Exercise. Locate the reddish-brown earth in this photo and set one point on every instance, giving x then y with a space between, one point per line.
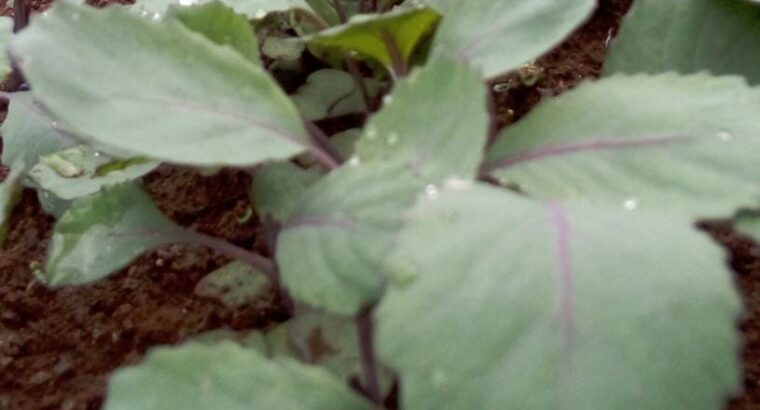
58 347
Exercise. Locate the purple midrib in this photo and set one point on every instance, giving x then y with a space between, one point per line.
560 150
563 257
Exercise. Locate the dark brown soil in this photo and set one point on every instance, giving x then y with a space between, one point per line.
58 347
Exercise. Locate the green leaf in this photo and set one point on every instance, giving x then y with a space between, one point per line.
221 25
178 97
278 186
81 171
367 34
327 11
9 190
641 142
688 36
28 134
331 249
250 8
279 48
546 306
500 36
435 122
105 232
225 376
6 33
234 284
331 93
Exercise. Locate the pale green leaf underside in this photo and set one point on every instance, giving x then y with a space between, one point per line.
248 8
435 122
365 33
278 186
556 305
81 171
225 376
177 97
28 133
221 25
103 233
500 36
641 142
331 249
6 33
688 36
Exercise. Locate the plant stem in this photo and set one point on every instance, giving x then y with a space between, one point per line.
323 147
316 21
338 6
493 119
264 265
366 334
397 60
20 20
353 69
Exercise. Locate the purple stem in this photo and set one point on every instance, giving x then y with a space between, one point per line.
366 334
400 68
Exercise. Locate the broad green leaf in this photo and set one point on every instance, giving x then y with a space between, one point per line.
279 48
28 133
103 233
6 33
435 122
8 195
225 376
81 171
748 223
331 249
688 36
345 142
645 142
500 36
331 93
221 25
278 186
368 34
234 285
178 97
249 8
518 303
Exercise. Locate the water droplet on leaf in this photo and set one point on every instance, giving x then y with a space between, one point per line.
392 139
630 204
431 191
725 136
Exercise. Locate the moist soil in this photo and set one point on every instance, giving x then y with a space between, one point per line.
58 347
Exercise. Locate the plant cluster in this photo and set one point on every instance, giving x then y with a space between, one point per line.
551 264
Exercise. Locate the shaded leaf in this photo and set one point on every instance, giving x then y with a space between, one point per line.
178 98
331 249
367 34
278 186
331 93
9 190
225 376
435 122
557 306
103 233
641 142
28 134
221 25
688 36
500 36
81 171
234 285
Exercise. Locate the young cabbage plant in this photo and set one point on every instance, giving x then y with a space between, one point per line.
552 264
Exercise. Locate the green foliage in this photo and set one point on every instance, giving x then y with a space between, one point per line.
576 281
226 376
588 306
688 36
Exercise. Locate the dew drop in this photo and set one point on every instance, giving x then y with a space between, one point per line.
260 14
458 183
431 191
392 139
160 262
75 16
387 100
156 17
353 162
724 136
439 378
371 133
630 204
